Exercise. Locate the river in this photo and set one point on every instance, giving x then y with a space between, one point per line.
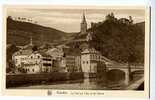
82 84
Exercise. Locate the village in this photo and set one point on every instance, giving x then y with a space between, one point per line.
59 59
73 59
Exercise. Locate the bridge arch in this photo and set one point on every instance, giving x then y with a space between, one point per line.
128 70
116 75
126 74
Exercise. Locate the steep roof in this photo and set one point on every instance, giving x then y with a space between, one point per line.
44 54
23 52
55 52
90 50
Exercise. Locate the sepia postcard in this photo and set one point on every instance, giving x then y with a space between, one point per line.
76 50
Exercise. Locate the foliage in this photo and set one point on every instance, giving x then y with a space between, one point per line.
11 48
119 40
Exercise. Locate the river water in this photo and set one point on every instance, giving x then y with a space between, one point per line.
82 84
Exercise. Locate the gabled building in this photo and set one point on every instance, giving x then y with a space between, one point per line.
65 59
92 62
32 62
20 56
59 61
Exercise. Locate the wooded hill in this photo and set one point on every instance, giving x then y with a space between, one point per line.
19 33
119 39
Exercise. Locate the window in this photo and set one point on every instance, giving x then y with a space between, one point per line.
97 57
87 62
38 56
83 62
46 64
33 70
16 60
46 59
93 56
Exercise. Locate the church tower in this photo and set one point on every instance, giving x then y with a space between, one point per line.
83 24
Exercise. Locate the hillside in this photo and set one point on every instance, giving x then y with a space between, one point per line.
118 40
19 33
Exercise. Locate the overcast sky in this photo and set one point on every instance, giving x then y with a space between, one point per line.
68 20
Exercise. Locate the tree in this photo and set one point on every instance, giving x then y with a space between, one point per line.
9 18
10 66
119 41
111 17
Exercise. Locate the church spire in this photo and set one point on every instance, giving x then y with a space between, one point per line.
83 24
84 18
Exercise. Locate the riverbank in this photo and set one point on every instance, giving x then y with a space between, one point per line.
15 80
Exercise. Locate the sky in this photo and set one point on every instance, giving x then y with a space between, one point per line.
69 19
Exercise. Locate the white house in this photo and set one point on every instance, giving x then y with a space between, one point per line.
32 62
38 62
20 56
92 61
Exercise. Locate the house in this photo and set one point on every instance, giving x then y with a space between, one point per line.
92 61
32 62
56 53
59 62
73 60
64 60
78 63
46 61
20 56
70 63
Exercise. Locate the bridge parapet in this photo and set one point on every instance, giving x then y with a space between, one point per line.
126 69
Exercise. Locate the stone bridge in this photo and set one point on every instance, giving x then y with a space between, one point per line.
128 70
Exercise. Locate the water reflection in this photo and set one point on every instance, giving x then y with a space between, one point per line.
82 84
